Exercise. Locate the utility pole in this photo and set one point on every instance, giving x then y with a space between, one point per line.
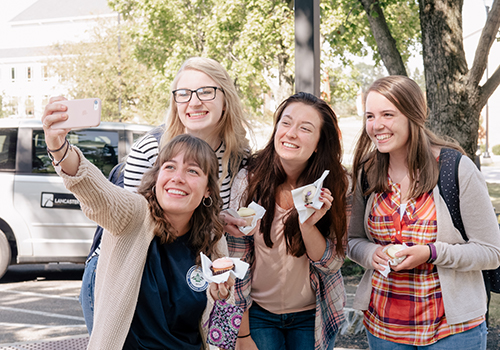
307 48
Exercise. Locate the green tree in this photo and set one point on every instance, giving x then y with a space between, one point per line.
253 39
454 96
103 68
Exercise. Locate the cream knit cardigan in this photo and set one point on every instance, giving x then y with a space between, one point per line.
128 232
458 263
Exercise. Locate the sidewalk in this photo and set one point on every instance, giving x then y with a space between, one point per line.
66 343
74 343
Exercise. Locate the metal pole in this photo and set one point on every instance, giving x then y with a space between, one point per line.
307 48
119 73
486 153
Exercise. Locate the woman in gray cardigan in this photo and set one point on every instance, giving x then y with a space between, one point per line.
435 296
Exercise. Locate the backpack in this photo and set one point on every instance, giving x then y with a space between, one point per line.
449 160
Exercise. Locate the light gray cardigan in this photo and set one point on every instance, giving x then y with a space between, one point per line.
458 263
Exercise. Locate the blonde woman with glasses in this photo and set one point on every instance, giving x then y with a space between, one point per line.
204 104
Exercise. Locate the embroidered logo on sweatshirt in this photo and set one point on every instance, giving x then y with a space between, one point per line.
195 279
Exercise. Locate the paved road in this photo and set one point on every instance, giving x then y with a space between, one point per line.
40 302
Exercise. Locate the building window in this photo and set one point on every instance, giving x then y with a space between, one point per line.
29 73
45 73
30 106
13 73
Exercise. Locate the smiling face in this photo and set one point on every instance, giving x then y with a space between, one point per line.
388 128
199 117
297 134
181 186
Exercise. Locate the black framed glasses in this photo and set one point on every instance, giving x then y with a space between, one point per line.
205 93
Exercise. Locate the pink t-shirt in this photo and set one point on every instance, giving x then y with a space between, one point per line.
281 282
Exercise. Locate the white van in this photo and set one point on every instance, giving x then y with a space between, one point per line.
41 221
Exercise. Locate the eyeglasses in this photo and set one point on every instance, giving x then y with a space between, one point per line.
206 93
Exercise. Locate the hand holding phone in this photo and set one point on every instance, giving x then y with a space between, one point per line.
84 113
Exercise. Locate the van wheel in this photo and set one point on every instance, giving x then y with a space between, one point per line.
5 254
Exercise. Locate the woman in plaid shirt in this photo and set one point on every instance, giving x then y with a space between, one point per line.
435 298
293 294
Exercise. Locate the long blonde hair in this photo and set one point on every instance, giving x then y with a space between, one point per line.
232 125
423 168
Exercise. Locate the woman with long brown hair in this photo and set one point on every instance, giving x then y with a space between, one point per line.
434 298
293 294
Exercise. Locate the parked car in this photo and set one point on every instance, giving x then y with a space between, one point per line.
41 221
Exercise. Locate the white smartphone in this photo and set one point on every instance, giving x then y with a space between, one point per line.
84 113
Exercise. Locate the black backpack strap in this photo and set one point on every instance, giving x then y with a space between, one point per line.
449 159
364 184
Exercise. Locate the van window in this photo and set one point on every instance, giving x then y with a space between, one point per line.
98 146
8 146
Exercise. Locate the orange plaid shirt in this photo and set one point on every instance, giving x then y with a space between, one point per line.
407 306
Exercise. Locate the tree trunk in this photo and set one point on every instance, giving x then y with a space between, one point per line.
454 96
385 42
453 106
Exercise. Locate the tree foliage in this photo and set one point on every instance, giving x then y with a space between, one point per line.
253 39
454 96
103 68
346 28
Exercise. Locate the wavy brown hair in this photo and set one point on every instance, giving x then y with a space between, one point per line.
266 173
206 228
232 127
408 98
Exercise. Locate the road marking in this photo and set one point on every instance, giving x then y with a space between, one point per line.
38 294
25 325
41 313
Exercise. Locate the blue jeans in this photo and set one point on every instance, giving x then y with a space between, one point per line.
473 339
293 331
87 292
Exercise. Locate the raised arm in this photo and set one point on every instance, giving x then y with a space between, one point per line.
57 145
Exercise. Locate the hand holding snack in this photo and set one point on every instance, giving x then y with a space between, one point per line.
392 249
231 224
220 291
251 214
247 214
222 269
306 199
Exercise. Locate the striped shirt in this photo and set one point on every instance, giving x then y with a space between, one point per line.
143 156
407 306
325 277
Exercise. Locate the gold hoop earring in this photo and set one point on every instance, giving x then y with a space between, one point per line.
153 189
208 205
